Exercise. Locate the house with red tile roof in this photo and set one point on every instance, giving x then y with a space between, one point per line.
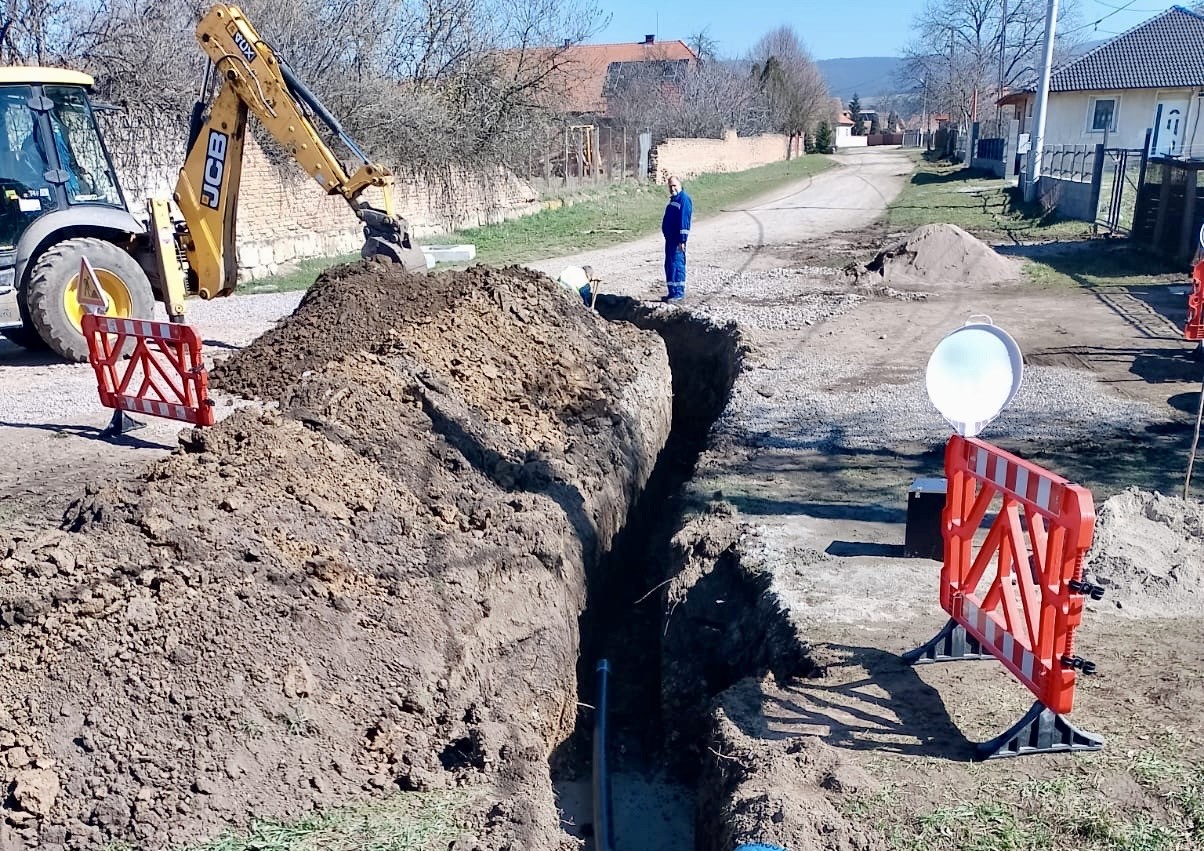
587 75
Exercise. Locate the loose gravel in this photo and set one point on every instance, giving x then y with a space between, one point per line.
800 405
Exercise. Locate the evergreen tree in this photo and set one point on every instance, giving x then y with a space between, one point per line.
855 114
823 138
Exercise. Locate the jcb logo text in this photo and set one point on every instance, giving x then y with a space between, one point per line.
215 168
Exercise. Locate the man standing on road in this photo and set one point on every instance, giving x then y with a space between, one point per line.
675 227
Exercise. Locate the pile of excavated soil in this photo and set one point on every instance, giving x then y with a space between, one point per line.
942 254
1149 554
373 587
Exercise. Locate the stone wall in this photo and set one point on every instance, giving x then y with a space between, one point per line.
282 213
691 157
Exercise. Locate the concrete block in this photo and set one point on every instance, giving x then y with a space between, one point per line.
450 253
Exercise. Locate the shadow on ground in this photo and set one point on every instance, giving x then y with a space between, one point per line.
865 700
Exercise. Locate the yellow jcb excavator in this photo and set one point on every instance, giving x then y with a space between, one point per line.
60 199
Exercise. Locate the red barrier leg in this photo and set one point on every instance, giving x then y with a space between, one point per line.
951 644
121 423
1040 731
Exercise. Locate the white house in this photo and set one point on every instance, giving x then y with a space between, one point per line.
1151 77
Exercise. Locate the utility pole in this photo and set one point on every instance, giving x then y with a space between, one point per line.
1037 139
924 130
1003 49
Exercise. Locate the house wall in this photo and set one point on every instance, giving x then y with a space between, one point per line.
691 157
1067 119
851 141
283 215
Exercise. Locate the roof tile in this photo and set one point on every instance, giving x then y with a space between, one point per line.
1165 52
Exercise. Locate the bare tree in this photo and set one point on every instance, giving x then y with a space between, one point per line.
795 91
422 83
704 45
964 50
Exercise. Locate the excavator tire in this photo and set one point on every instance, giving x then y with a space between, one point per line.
52 295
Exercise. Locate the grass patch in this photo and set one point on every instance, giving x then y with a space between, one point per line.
622 213
976 202
1164 811
300 276
409 822
1101 265
595 218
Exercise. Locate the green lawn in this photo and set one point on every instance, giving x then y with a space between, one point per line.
977 202
594 219
1101 265
407 822
303 273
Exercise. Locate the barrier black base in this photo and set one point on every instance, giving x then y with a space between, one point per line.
122 423
951 644
1041 730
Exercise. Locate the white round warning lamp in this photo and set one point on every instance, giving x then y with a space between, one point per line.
973 374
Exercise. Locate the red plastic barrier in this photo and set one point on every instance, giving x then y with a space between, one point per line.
1194 329
164 375
1013 592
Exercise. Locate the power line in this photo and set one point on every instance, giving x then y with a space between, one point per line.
1116 10
1128 7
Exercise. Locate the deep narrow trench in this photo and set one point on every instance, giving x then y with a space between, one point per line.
653 789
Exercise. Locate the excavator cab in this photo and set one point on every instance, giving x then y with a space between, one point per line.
59 201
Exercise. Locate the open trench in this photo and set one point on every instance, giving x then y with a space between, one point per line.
674 614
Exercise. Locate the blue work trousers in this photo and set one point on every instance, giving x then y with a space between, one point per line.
675 269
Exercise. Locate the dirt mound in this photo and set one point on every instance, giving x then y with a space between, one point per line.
374 588
1149 554
763 787
942 254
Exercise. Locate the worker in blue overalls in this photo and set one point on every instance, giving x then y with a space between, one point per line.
675 227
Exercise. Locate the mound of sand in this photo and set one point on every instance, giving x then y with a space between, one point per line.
942 254
373 588
1149 554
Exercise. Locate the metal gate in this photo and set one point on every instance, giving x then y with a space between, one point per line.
1122 173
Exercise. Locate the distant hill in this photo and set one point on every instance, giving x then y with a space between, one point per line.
877 76
867 76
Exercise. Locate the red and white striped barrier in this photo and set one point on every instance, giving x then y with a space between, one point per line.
164 375
1016 594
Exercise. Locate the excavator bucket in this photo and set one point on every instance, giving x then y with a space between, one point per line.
388 238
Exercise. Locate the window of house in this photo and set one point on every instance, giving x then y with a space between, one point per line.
1103 115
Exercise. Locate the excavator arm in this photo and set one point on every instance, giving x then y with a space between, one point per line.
251 79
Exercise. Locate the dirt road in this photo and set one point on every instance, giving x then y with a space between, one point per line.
759 235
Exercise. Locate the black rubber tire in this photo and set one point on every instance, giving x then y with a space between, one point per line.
24 336
53 272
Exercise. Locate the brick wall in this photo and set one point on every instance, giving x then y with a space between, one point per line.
691 157
284 216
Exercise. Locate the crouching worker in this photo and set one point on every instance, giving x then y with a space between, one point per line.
581 280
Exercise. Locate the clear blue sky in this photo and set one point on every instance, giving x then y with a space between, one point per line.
830 29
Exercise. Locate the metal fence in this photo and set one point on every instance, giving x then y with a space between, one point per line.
990 149
1068 162
1120 178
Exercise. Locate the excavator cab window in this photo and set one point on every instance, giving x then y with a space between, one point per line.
25 193
82 154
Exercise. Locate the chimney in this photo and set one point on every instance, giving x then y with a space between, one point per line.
568 42
650 39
